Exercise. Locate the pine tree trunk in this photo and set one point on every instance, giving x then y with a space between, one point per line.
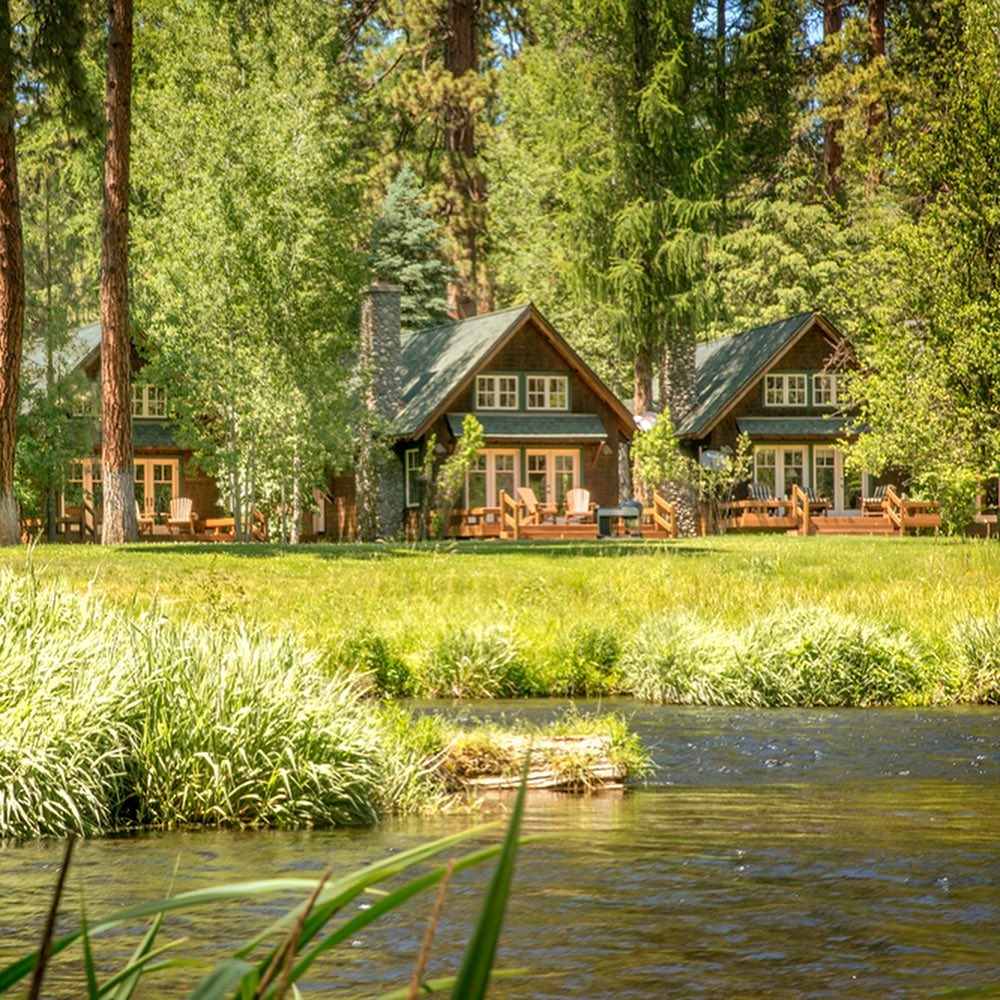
833 149
642 381
295 536
467 182
11 287
679 399
876 41
120 523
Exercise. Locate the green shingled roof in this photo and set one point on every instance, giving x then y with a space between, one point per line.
793 427
436 362
725 367
150 434
550 426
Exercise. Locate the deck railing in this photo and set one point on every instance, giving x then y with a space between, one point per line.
800 508
510 516
664 515
906 513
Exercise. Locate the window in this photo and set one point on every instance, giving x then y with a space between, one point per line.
785 390
548 392
411 463
825 472
88 403
496 392
82 485
779 468
765 469
826 389
494 471
156 484
148 400
552 474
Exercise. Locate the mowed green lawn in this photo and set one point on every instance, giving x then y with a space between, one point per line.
412 595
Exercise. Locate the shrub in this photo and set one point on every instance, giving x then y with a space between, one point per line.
976 644
372 654
474 663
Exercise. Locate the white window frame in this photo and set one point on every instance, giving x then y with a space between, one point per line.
782 383
551 386
826 384
489 392
145 397
550 469
492 492
145 464
779 450
411 466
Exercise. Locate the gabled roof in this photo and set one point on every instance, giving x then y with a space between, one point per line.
438 363
543 426
79 346
725 367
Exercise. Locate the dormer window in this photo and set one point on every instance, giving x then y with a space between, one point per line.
548 392
148 400
496 392
785 390
825 389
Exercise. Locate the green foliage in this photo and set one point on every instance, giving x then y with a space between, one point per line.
373 654
451 475
657 456
793 657
976 642
484 662
585 663
406 249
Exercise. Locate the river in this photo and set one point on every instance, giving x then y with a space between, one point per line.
785 853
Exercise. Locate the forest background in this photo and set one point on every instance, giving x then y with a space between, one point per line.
651 173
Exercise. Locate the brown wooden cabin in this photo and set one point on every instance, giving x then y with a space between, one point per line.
781 384
549 421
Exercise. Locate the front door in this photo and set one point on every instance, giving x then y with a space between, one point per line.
156 484
494 471
552 474
780 468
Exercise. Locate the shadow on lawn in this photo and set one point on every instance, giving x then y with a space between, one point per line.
398 550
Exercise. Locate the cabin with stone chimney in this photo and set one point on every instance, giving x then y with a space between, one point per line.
550 424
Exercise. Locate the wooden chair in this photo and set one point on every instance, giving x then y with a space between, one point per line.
874 506
182 518
534 512
817 505
145 521
579 507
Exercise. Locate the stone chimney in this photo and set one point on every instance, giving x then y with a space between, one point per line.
380 491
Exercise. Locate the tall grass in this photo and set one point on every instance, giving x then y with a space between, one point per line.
110 719
792 657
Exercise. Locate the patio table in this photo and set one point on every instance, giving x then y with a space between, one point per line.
628 512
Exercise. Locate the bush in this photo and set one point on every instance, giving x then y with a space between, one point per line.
976 644
475 663
372 654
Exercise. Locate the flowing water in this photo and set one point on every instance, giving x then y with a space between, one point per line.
773 853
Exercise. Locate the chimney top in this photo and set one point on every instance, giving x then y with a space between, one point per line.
383 285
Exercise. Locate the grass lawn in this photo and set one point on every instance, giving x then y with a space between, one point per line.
413 595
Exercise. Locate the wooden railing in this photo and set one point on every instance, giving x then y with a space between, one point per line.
800 508
664 515
510 516
906 513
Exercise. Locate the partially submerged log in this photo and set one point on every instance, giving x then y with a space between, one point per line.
560 763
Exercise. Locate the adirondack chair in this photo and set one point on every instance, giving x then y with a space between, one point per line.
817 505
535 512
579 507
874 505
182 518
760 499
145 521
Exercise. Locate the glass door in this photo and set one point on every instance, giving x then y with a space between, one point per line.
156 484
552 474
494 471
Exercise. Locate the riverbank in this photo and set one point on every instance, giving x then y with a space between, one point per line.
114 719
723 620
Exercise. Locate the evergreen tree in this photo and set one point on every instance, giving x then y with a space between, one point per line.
406 250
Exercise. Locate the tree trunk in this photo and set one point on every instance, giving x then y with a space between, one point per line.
642 381
833 150
876 41
11 287
677 375
466 180
120 523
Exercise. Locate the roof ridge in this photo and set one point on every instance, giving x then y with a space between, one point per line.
467 319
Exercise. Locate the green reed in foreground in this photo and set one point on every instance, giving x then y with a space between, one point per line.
276 960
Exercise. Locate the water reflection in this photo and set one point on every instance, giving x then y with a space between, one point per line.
773 853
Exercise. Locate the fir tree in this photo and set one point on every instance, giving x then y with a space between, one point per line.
406 249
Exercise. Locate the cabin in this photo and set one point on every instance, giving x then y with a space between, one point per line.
782 384
549 423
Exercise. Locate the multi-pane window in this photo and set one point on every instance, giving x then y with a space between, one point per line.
495 472
552 474
413 484
496 392
82 485
825 472
765 468
793 471
825 389
785 390
156 484
88 402
548 392
148 400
